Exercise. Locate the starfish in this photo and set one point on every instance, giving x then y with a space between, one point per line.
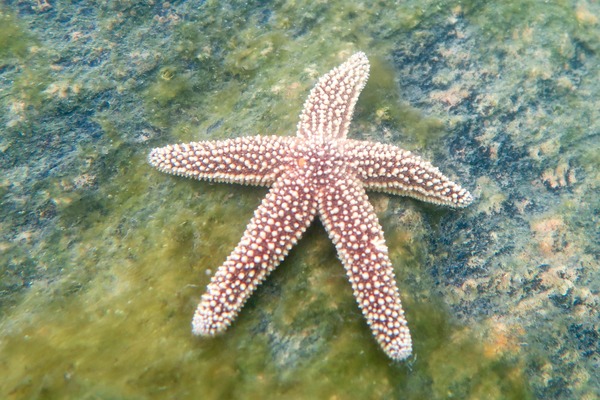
317 172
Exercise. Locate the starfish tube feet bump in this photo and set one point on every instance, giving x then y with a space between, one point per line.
321 172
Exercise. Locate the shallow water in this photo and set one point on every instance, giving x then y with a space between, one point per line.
103 259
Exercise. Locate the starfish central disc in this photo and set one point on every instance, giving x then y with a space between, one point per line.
319 164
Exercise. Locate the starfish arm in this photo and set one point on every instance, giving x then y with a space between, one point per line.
358 237
327 112
254 160
278 223
387 168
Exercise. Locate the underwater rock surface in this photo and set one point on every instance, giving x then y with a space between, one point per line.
103 260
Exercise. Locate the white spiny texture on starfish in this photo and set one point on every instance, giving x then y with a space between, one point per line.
386 168
317 172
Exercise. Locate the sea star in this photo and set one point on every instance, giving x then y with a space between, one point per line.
317 172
